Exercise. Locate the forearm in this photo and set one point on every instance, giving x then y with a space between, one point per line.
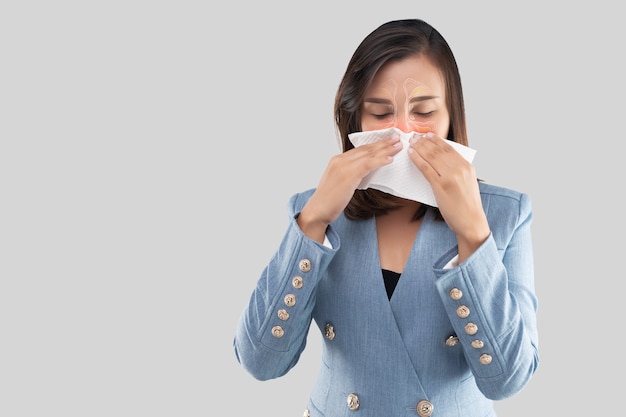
492 307
273 327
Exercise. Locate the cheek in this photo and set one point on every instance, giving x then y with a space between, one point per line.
372 123
376 125
439 126
423 127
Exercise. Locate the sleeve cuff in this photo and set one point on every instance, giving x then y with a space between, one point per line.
452 263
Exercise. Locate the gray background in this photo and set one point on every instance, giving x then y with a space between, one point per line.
148 150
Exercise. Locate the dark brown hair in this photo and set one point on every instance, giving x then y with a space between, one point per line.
394 41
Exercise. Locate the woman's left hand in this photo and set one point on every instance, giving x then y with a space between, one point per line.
455 185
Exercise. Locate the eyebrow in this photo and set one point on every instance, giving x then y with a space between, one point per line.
422 98
377 100
386 101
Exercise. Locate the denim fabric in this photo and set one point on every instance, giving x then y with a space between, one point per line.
393 353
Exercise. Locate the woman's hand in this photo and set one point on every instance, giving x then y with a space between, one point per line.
339 181
454 183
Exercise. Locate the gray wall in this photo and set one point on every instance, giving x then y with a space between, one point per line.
149 149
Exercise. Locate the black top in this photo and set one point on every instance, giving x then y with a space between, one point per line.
391 280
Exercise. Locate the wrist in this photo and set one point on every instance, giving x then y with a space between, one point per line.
468 244
313 228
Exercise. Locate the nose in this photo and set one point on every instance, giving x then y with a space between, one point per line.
403 124
407 125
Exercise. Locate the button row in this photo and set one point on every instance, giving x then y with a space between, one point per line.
471 329
290 299
424 408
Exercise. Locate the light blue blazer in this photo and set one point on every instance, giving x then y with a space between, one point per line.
447 343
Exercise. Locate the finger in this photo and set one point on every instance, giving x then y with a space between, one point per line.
422 151
378 153
437 152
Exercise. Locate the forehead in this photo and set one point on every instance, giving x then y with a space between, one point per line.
419 72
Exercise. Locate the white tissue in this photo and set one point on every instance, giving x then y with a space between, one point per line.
401 178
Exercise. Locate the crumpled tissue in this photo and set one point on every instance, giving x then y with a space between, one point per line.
401 178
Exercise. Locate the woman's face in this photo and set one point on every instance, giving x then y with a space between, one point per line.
409 95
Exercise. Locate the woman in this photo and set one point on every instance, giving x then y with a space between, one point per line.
424 309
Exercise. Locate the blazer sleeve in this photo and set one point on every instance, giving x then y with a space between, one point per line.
272 330
491 302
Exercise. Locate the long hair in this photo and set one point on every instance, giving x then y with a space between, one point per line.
394 41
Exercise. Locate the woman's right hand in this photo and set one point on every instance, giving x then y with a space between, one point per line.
339 181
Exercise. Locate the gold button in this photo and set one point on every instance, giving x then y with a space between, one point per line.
471 328
353 402
305 265
452 341
329 331
456 294
485 359
297 282
282 314
425 408
306 413
278 332
462 311
290 300
477 344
